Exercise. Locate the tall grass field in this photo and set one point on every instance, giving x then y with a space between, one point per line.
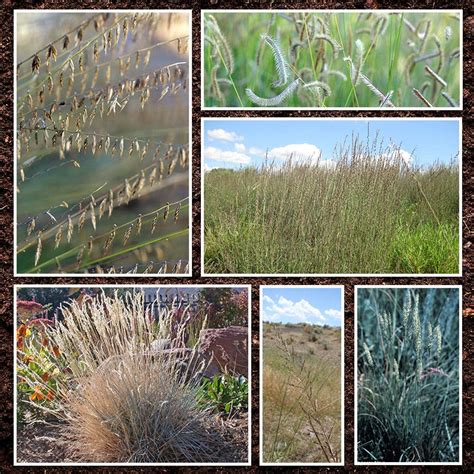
408 379
332 59
362 214
102 144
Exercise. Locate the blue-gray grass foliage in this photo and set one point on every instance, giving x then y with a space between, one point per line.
408 375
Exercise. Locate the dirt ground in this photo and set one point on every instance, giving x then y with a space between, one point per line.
46 443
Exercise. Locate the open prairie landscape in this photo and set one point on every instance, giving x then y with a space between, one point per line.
301 384
328 197
332 59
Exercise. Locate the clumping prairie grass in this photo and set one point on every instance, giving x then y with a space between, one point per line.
140 410
408 375
301 402
332 59
119 400
362 214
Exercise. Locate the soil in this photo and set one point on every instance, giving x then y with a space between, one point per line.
6 219
45 442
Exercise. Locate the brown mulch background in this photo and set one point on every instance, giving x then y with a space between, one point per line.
6 226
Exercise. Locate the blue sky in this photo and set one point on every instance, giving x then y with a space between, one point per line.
237 143
302 305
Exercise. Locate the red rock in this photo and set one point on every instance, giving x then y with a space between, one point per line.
226 348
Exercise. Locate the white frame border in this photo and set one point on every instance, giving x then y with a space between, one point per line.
190 140
261 356
461 400
341 275
137 286
394 10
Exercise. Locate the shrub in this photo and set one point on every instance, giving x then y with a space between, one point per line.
225 393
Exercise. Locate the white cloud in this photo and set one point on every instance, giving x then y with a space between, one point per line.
256 151
297 152
297 312
239 147
208 168
268 299
212 153
333 313
221 134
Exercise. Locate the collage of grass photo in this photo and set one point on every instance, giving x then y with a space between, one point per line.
321 59
331 244
102 152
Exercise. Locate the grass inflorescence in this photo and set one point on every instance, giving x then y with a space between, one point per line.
93 158
365 59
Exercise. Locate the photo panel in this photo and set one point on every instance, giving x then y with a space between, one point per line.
102 125
132 375
336 59
338 196
301 375
408 369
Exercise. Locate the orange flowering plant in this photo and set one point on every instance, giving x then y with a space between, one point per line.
39 363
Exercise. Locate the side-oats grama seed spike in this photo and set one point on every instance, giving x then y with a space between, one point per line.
39 247
70 228
154 223
176 212
35 64
31 226
127 234
90 244
93 219
110 239
166 212
58 237
111 202
139 224
80 255
82 220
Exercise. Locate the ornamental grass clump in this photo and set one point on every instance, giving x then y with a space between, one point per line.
408 375
117 398
102 144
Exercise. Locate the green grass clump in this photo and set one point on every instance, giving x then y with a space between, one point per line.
331 59
361 215
408 375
